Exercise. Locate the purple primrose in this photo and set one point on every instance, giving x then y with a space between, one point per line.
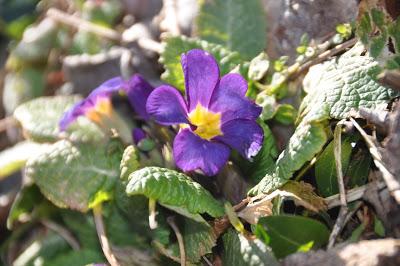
215 117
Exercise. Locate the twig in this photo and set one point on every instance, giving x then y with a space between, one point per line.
111 34
6 123
178 234
79 23
207 261
392 184
340 221
351 195
151 45
105 245
64 233
325 55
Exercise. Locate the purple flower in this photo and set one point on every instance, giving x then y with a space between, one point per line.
217 115
98 104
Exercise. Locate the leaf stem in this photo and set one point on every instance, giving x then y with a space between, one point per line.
171 222
337 151
105 245
152 214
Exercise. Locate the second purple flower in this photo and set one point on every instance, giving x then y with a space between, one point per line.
215 117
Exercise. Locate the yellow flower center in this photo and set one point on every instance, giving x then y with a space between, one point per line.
102 108
208 123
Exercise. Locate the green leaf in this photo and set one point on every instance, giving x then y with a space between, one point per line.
364 28
83 227
358 169
175 46
37 41
394 31
378 17
288 233
238 25
325 168
259 66
74 176
78 258
342 84
198 238
120 231
44 248
27 199
238 250
15 28
14 158
22 86
285 114
173 190
377 45
40 117
307 140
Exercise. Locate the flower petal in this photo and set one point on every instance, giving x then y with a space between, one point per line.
138 134
243 135
73 113
104 91
201 77
232 83
192 152
229 99
138 90
167 106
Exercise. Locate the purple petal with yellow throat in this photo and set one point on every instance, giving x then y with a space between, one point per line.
103 92
192 152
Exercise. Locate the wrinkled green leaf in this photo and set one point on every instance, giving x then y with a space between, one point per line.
325 168
288 233
75 176
40 117
343 84
175 46
14 158
238 25
307 140
238 250
129 162
173 190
